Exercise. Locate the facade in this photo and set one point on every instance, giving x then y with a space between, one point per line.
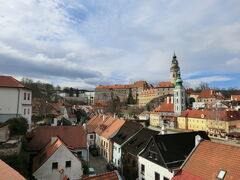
15 100
56 161
165 88
179 96
107 93
211 160
146 96
155 119
164 154
210 96
72 136
174 69
126 131
213 122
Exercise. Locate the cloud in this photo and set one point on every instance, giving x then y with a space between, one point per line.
87 43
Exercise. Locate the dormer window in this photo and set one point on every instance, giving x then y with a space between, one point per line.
221 174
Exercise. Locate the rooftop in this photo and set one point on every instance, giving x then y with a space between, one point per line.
113 175
165 85
135 85
9 81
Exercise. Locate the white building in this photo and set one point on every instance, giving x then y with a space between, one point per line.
56 161
15 99
199 105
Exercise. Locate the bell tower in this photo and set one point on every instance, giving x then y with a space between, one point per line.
174 69
179 96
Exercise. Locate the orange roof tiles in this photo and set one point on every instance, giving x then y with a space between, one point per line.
99 103
235 97
222 115
105 124
165 107
116 125
72 136
137 84
165 85
210 93
94 122
46 153
9 81
8 173
211 157
183 175
113 175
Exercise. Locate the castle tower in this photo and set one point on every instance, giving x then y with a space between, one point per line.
179 96
174 69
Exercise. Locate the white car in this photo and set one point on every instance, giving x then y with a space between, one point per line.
91 172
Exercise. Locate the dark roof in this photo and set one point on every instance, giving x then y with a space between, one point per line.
73 136
128 129
175 148
135 144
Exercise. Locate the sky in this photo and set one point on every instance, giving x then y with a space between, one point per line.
85 43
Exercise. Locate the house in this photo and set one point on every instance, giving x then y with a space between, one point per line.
164 154
235 97
15 99
55 161
144 116
210 96
128 129
211 160
165 88
105 134
113 175
73 137
131 149
8 173
214 122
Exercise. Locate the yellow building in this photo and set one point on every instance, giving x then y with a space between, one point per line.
146 96
154 119
213 122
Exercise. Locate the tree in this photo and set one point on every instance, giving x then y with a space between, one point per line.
202 86
17 126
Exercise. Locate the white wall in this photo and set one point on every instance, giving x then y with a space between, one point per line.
9 101
151 168
45 172
117 154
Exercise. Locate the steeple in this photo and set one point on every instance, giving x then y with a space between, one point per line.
174 69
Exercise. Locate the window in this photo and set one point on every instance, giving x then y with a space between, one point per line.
165 178
91 136
25 96
68 164
118 162
24 112
54 165
28 96
119 150
157 176
142 169
221 174
28 111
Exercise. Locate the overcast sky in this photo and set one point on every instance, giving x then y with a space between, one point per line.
84 43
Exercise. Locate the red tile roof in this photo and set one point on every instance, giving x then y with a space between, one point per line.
105 124
8 173
94 122
46 153
183 175
210 93
235 97
113 128
9 81
73 136
222 115
165 107
137 84
211 157
113 175
165 85
99 103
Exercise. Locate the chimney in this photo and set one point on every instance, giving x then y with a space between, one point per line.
211 92
103 117
53 139
168 100
171 99
198 139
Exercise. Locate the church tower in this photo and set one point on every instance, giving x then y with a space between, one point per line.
174 69
179 96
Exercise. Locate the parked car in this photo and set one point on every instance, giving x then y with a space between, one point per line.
91 172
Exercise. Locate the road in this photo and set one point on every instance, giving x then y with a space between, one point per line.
98 163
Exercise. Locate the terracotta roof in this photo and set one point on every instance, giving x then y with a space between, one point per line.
144 113
9 81
94 122
165 85
8 173
235 97
113 128
46 153
99 103
211 157
113 175
165 107
135 85
183 175
73 136
105 124
222 115
210 93
148 91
